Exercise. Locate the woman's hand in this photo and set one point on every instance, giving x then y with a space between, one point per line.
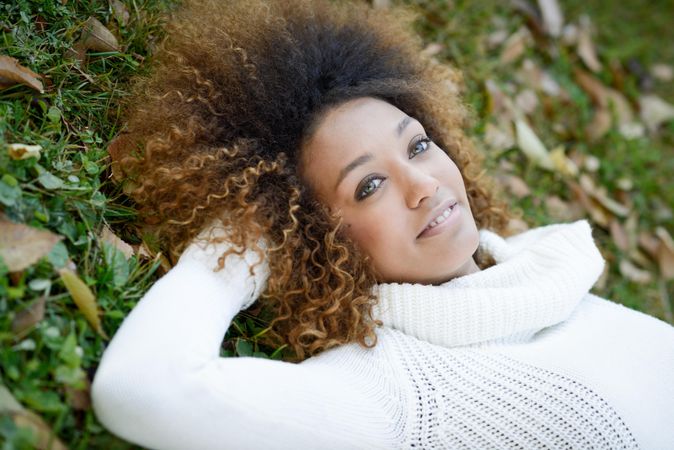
236 269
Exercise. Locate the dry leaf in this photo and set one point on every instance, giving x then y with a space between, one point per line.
499 138
21 245
46 439
516 226
496 38
98 38
593 87
108 236
515 46
570 35
633 273
603 96
532 146
597 212
527 101
24 151
562 164
553 20
28 317
631 130
621 106
655 111
585 48
515 185
662 72
562 211
619 235
84 298
649 243
599 194
600 125
665 253
532 76
11 73
591 163
120 12
79 399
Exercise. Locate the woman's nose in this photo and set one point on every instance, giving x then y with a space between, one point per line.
419 186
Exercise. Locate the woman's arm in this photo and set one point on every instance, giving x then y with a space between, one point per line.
162 384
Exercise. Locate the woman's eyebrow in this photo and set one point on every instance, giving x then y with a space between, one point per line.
362 159
403 123
368 156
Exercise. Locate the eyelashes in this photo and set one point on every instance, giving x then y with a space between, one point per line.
368 186
419 144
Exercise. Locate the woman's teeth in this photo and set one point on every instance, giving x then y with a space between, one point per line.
441 218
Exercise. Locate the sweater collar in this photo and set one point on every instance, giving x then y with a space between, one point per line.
539 278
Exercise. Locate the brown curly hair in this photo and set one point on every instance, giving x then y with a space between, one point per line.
215 132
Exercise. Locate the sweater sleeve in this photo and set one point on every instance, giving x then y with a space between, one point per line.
161 383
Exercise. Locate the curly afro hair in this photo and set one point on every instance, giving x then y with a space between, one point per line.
215 133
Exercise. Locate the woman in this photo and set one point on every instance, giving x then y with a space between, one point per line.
297 136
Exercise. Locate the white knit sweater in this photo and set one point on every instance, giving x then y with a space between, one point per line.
516 356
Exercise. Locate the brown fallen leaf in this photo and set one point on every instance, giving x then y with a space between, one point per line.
527 101
84 299
553 20
26 318
499 138
120 12
561 163
619 235
46 439
515 46
532 146
569 35
515 185
665 253
562 211
597 212
516 226
108 236
599 193
11 73
654 111
98 38
633 273
79 399
585 47
600 125
662 72
496 38
604 97
650 243
23 151
21 245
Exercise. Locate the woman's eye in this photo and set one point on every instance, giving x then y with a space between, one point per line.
419 146
368 187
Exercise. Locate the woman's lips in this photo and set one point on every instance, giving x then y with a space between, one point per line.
441 221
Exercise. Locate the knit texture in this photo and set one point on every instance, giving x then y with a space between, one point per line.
516 356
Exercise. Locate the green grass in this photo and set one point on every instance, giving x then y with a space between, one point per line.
68 190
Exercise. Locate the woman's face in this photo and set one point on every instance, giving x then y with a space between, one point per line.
401 198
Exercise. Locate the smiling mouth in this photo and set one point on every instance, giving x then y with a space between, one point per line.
439 219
